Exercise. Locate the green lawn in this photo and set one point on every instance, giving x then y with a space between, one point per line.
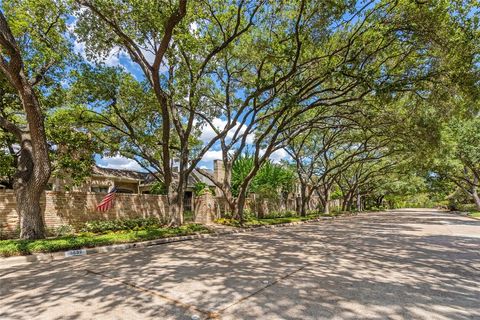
89 240
475 214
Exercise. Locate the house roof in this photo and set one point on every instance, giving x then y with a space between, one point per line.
146 177
119 173
201 178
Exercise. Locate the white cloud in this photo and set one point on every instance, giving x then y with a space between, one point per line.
278 155
79 47
193 27
211 155
112 59
208 133
119 162
15 146
149 55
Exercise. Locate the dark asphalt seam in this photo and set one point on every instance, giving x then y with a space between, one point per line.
178 303
219 311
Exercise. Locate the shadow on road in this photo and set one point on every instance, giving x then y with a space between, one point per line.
405 264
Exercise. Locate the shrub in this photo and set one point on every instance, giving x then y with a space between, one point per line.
188 216
158 188
227 221
281 214
87 240
200 188
62 230
100 226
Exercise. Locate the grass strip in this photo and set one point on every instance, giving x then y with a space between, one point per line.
475 214
89 240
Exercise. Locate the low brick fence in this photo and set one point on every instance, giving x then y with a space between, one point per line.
75 208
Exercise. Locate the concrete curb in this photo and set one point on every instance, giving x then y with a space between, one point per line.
48 257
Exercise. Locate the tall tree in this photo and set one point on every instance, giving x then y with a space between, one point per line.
193 67
31 38
199 67
176 47
459 157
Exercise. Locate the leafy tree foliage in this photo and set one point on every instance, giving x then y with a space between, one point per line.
33 51
271 181
458 159
353 90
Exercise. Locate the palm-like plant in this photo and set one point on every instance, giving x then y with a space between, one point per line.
271 180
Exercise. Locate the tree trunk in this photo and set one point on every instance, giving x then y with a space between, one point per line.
176 196
175 207
347 200
476 198
242 193
379 201
305 199
28 188
227 185
359 200
344 202
32 225
33 164
351 195
326 199
240 205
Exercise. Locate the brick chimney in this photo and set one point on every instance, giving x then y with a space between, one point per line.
218 174
218 170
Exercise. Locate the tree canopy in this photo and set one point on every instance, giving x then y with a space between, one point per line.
368 101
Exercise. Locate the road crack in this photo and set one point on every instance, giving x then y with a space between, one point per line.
219 311
191 308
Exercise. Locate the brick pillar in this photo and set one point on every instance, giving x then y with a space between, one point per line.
205 211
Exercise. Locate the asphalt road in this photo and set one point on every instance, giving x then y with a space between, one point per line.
408 264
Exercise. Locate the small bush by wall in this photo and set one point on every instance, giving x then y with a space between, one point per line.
76 208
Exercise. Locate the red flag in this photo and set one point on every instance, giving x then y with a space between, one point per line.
107 202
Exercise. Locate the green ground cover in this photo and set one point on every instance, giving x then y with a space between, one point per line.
475 214
89 240
270 220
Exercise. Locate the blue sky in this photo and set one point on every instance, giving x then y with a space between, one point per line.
119 58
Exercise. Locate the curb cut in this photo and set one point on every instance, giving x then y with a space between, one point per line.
48 257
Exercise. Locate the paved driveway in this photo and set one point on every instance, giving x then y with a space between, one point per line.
407 264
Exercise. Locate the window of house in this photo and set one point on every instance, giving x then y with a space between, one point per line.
120 190
99 189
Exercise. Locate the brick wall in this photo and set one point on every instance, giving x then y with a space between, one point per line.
75 208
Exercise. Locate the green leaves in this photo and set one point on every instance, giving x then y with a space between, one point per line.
72 150
270 181
40 29
390 74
